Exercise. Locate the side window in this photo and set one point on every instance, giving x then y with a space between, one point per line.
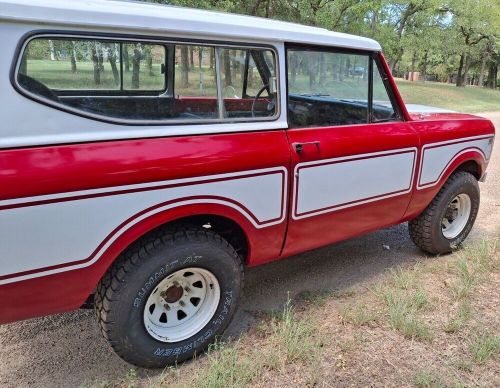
248 82
383 108
195 82
327 88
142 65
149 82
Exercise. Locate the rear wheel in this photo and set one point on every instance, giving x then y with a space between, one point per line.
447 221
169 296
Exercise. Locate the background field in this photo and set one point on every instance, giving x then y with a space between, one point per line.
468 99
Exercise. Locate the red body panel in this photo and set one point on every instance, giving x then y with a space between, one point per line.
344 141
54 169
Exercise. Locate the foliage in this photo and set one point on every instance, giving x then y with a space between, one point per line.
445 40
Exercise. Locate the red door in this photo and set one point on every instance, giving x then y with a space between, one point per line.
349 176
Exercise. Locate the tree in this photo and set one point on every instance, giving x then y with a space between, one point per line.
111 54
184 66
94 49
136 65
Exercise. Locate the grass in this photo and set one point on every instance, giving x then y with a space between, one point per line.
358 315
463 314
485 346
289 339
426 333
426 379
468 99
404 301
294 337
226 367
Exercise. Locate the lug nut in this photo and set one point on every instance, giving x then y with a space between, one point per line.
187 289
182 304
167 307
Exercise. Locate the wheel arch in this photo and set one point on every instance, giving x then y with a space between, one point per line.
471 161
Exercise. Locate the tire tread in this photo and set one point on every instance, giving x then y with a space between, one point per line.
132 258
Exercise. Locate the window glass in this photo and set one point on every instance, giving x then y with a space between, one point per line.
327 88
142 66
383 109
195 71
72 64
248 82
134 80
195 85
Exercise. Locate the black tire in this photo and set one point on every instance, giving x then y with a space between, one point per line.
426 230
122 293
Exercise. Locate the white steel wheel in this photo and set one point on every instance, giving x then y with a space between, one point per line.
181 304
456 216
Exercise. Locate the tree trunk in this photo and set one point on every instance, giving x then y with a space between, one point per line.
293 69
100 58
200 57
312 73
491 81
465 77
211 58
412 68
52 51
322 69
149 59
184 67
460 81
112 61
483 68
227 69
191 57
424 66
97 68
72 57
136 66
126 60
393 64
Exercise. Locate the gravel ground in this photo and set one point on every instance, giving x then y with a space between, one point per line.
68 350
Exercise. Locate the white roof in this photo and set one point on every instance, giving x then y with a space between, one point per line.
161 19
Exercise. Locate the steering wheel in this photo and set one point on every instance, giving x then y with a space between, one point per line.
257 96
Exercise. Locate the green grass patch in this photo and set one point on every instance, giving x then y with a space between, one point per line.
426 379
294 336
290 339
484 347
402 309
467 99
461 317
358 315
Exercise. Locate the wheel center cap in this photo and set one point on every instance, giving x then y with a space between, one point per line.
173 294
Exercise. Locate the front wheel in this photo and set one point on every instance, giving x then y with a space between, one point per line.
449 218
169 296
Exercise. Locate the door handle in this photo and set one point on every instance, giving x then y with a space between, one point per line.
299 147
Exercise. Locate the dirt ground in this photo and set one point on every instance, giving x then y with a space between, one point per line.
68 350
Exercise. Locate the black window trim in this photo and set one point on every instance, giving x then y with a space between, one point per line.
389 90
26 38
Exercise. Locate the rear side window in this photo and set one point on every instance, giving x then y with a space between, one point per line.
142 81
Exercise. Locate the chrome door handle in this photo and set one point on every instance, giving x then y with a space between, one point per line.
299 147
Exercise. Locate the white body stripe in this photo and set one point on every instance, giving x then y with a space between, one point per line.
70 228
345 182
436 157
64 232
